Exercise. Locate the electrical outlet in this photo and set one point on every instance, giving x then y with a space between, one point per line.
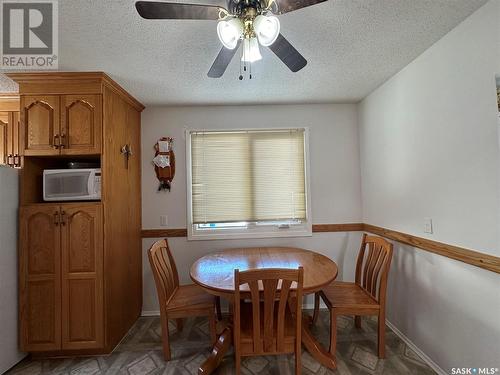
163 220
427 225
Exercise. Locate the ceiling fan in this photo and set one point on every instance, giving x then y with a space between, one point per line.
248 22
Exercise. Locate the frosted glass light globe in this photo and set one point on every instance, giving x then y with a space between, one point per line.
229 32
251 51
267 29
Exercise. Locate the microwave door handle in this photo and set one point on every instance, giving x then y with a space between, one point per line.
91 183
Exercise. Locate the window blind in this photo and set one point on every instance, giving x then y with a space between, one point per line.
248 176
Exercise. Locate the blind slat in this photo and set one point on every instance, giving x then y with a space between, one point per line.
248 176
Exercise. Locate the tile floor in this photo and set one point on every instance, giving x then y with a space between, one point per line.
140 354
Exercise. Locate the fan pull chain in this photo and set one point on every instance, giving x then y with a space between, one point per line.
242 60
241 75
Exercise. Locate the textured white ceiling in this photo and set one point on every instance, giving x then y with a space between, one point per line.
352 46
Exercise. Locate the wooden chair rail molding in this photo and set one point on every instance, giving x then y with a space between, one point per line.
475 258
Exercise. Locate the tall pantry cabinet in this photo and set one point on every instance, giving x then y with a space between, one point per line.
79 262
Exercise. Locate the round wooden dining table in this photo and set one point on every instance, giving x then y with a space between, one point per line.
215 273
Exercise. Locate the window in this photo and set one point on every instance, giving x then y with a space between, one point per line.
247 183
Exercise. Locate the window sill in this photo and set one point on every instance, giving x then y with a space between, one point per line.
231 234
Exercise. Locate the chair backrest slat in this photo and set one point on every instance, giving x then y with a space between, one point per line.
372 266
283 302
270 290
164 271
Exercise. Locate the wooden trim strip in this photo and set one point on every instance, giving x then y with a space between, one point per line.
163 233
182 232
9 102
475 258
349 227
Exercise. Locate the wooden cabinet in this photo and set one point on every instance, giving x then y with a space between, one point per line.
76 297
40 124
11 148
62 275
40 278
62 124
81 119
14 141
82 281
4 124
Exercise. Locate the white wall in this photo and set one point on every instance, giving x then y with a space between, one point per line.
429 148
9 355
334 173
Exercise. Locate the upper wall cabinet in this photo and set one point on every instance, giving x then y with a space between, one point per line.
40 119
4 124
62 124
11 148
81 119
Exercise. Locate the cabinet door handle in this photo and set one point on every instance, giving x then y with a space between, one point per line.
63 218
9 160
62 141
17 161
56 218
57 141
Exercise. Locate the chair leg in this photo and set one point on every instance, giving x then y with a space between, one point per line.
213 329
217 307
164 336
357 321
180 324
298 358
333 332
237 363
381 334
316 308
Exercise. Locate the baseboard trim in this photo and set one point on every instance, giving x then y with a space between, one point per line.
151 313
416 349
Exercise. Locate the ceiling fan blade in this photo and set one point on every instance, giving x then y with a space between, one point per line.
288 54
286 6
222 61
155 10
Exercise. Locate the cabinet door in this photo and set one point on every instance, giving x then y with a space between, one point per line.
4 123
82 276
17 144
81 128
40 278
40 124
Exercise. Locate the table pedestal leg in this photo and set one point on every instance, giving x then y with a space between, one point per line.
218 351
314 347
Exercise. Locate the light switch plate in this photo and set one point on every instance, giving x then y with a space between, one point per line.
427 225
163 220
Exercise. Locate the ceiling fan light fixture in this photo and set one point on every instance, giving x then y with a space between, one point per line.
267 29
251 51
229 32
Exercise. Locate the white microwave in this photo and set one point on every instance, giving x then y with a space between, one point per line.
71 184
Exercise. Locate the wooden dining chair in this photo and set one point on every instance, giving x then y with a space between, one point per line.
366 296
268 322
178 301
